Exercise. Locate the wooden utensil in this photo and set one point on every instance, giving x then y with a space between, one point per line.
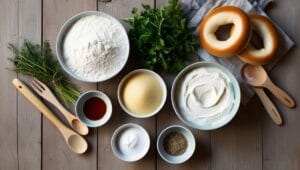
41 89
75 142
256 75
269 106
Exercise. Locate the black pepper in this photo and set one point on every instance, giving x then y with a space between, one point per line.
175 143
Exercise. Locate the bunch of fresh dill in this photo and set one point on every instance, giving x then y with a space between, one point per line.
38 61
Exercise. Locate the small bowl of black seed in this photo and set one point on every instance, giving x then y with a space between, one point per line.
176 144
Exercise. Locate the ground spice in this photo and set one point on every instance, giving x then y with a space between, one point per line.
175 143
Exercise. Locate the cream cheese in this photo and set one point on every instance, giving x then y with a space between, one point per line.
205 94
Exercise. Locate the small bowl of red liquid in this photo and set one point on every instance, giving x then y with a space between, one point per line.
93 108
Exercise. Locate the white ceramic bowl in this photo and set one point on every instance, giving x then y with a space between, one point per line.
64 30
191 145
163 86
227 117
80 104
130 157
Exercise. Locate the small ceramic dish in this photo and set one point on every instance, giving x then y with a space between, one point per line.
178 159
135 152
227 116
162 84
68 25
80 111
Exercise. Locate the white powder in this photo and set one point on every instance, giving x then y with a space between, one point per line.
95 48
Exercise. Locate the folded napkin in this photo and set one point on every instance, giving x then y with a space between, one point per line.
195 10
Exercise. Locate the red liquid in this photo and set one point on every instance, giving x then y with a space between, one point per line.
94 108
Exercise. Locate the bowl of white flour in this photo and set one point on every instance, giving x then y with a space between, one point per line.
92 46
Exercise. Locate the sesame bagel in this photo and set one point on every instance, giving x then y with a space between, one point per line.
239 36
267 31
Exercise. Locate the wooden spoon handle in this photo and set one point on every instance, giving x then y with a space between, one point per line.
281 95
269 106
23 89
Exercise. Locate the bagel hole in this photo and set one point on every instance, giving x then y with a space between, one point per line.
223 32
256 40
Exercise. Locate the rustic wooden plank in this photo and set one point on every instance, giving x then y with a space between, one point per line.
29 119
56 154
230 146
238 145
281 145
160 3
201 157
106 159
8 94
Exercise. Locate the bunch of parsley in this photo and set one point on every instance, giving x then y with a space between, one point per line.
161 38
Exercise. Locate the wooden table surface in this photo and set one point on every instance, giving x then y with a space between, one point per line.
29 141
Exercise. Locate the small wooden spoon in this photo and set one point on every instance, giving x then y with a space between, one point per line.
256 75
75 142
269 106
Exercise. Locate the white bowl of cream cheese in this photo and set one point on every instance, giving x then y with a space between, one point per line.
92 46
205 96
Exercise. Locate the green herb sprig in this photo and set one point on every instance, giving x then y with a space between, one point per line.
38 61
161 38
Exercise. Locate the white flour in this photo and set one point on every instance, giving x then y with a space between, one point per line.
95 48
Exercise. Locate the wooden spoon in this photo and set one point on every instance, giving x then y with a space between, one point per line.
256 75
269 106
75 142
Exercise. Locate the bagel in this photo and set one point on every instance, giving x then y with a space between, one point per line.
239 36
268 33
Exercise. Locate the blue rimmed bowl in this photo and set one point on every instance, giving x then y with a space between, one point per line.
229 113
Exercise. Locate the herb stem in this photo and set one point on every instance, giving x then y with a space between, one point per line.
38 61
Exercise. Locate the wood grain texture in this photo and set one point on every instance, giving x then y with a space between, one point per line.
8 94
250 141
281 145
201 157
269 106
238 145
56 154
29 119
229 147
106 159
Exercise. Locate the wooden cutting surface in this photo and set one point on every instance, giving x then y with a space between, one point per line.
30 142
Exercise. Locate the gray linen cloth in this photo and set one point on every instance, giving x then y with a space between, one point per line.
195 10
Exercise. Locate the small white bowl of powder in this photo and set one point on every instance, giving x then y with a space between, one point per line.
92 46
